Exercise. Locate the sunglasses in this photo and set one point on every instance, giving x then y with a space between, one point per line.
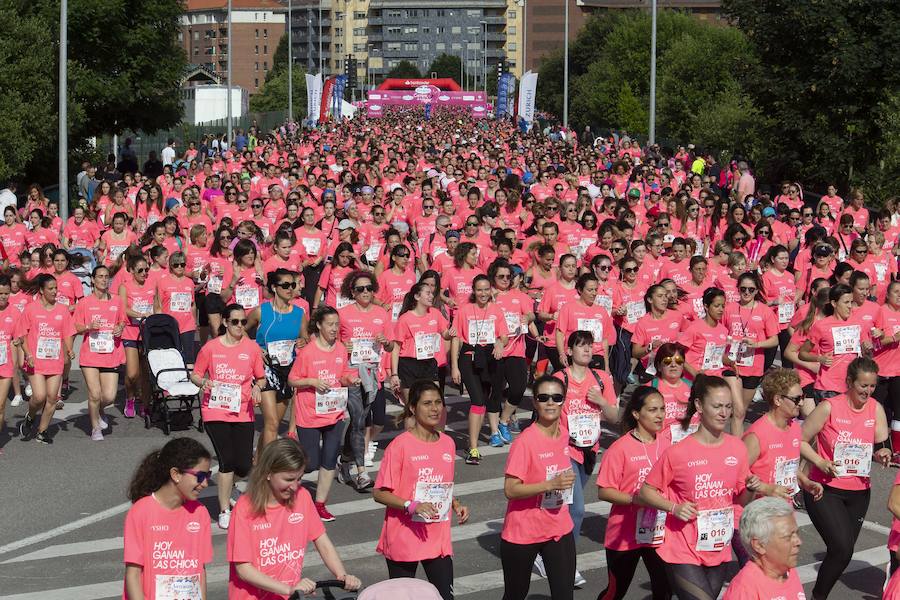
287 285
557 398
378 214
678 360
617 249
142 270
176 265
860 250
236 322
359 289
501 276
747 290
663 223
256 205
402 255
428 206
794 399
200 475
604 268
471 224
630 270
558 189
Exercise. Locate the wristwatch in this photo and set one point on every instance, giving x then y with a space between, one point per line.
406 505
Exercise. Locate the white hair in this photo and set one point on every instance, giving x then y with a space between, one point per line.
756 521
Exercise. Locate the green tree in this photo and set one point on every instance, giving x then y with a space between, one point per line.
273 94
826 70
280 58
404 69
446 66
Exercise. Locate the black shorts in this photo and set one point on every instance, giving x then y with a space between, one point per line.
411 369
808 391
750 383
277 381
200 303
102 369
214 304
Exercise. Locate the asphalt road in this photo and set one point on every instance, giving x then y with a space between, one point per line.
63 508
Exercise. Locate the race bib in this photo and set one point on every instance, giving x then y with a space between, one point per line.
281 351
180 302
48 348
679 433
785 312
514 323
372 253
247 296
311 245
852 459
364 351
395 310
178 587
712 356
62 300
714 529
846 339
634 311
881 270
101 342
584 428
4 352
650 526
605 302
481 332
699 309
438 494
342 301
741 354
226 396
594 326
786 473
426 345
214 285
555 499
142 306
333 401
116 251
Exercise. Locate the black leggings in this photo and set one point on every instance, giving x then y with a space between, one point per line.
322 445
439 572
378 410
233 443
693 582
559 560
838 517
513 373
784 338
888 394
620 567
479 382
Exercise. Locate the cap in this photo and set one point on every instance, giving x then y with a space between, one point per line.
634 193
400 226
367 189
451 234
172 203
432 173
346 224
653 212
769 212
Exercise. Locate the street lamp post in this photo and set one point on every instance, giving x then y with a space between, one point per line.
321 59
230 115
63 112
566 67
484 57
652 131
290 65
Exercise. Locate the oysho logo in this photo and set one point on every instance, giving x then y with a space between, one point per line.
447 457
731 461
869 423
295 518
193 527
698 463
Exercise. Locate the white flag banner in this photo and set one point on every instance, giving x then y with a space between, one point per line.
313 96
527 90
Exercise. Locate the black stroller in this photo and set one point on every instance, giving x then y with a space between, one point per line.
173 396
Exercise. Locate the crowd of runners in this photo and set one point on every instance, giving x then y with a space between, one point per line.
318 276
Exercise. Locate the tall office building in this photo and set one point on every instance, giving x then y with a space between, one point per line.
256 28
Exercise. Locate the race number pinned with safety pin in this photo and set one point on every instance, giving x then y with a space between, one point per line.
846 339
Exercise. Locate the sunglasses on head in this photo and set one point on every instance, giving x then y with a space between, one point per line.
557 398
678 360
236 322
287 285
200 475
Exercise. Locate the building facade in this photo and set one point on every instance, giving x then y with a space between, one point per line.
256 28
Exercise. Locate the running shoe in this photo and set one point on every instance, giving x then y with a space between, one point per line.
26 426
103 424
224 519
505 434
343 472
539 566
579 579
370 454
323 512
97 434
16 401
60 404
129 408
28 389
363 481
496 440
43 438
513 425
473 457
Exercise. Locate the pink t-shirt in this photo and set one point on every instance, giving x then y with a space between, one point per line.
675 398
577 316
712 477
534 457
894 536
8 319
624 466
313 409
659 331
847 439
480 326
331 281
578 408
171 546
515 306
751 583
705 346
100 348
45 331
360 328
68 289
139 299
892 590
554 297
176 298
779 452
410 325
274 543
823 335
756 322
632 299
393 287
423 472
887 357
232 370
781 290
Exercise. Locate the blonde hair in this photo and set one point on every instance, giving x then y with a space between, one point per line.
777 382
279 456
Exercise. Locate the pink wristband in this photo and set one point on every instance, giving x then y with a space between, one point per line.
411 509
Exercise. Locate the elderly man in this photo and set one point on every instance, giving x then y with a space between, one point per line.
770 535
746 185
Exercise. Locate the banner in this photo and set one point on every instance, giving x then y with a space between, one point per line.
326 99
337 97
527 90
502 94
511 96
313 97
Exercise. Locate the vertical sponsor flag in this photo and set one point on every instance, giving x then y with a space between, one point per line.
313 97
337 96
511 95
527 90
326 98
502 95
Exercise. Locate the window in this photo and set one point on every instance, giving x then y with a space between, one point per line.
410 46
338 47
440 46
439 12
511 46
456 30
196 51
257 34
412 13
511 30
359 31
265 33
359 15
265 49
473 13
256 83
456 46
196 36
393 46
339 16
473 45
410 29
265 65
394 14
511 14
440 30
339 31
473 30
359 47
181 36
256 66
426 30
426 46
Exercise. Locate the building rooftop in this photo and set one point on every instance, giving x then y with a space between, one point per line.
202 5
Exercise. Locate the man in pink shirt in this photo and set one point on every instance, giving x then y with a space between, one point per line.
746 185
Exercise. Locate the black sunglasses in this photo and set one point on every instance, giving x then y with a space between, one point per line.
200 475
287 285
557 398
238 322
359 289
176 265
747 290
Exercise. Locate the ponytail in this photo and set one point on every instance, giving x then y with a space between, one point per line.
153 473
703 384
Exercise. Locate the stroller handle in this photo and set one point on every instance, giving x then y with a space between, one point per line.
329 583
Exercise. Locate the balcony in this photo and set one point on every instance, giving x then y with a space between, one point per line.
376 21
495 20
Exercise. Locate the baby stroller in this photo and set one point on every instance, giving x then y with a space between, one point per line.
173 396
